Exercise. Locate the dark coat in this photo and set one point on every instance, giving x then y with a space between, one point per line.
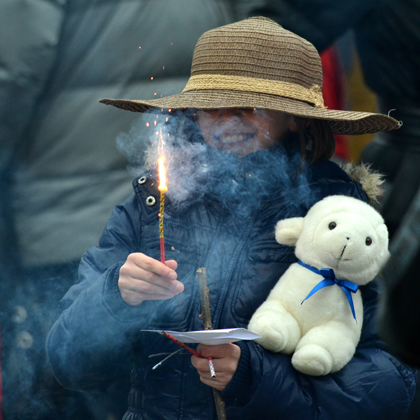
92 341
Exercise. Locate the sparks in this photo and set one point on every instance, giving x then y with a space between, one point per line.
162 188
162 175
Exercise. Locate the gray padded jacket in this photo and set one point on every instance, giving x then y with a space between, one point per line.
57 59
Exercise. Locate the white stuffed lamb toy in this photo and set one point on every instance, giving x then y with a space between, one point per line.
314 313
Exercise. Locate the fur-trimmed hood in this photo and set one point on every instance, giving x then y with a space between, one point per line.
369 179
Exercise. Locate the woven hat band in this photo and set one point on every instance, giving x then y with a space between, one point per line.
257 85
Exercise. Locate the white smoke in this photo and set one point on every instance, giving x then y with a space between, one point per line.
194 168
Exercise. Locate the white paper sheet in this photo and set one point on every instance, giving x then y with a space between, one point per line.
211 337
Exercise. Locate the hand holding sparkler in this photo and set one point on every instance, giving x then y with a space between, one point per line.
144 278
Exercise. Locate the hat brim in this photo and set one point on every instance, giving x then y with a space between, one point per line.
341 122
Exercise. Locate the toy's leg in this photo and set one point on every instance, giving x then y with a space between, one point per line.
325 349
279 329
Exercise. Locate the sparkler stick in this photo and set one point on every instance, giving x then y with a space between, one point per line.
165 359
192 351
162 188
211 366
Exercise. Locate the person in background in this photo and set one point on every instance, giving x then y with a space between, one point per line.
400 313
334 91
61 174
251 144
387 39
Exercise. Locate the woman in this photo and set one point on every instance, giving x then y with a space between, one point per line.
260 154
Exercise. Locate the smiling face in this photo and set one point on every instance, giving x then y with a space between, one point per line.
242 131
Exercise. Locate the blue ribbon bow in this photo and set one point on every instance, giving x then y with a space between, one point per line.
330 280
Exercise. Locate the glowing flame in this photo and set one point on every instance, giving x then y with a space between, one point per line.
162 175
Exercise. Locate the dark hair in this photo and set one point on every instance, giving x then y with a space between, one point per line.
316 134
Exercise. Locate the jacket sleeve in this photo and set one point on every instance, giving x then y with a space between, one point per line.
88 347
29 34
373 385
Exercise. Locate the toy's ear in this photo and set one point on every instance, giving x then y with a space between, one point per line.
288 230
383 236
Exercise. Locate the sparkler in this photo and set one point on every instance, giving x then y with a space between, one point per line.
192 351
162 188
165 359
211 366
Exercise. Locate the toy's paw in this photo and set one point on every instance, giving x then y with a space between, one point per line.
312 359
274 337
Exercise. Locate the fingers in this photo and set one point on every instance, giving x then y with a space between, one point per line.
152 266
218 352
172 264
225 361
144 278
220 382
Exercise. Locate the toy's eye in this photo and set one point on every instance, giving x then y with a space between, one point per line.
332 225
368 241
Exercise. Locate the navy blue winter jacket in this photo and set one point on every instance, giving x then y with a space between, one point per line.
99 336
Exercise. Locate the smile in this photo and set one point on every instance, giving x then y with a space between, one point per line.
234 138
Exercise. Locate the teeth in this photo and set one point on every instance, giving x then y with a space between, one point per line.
234 138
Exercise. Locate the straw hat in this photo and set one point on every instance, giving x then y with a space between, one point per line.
255 63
